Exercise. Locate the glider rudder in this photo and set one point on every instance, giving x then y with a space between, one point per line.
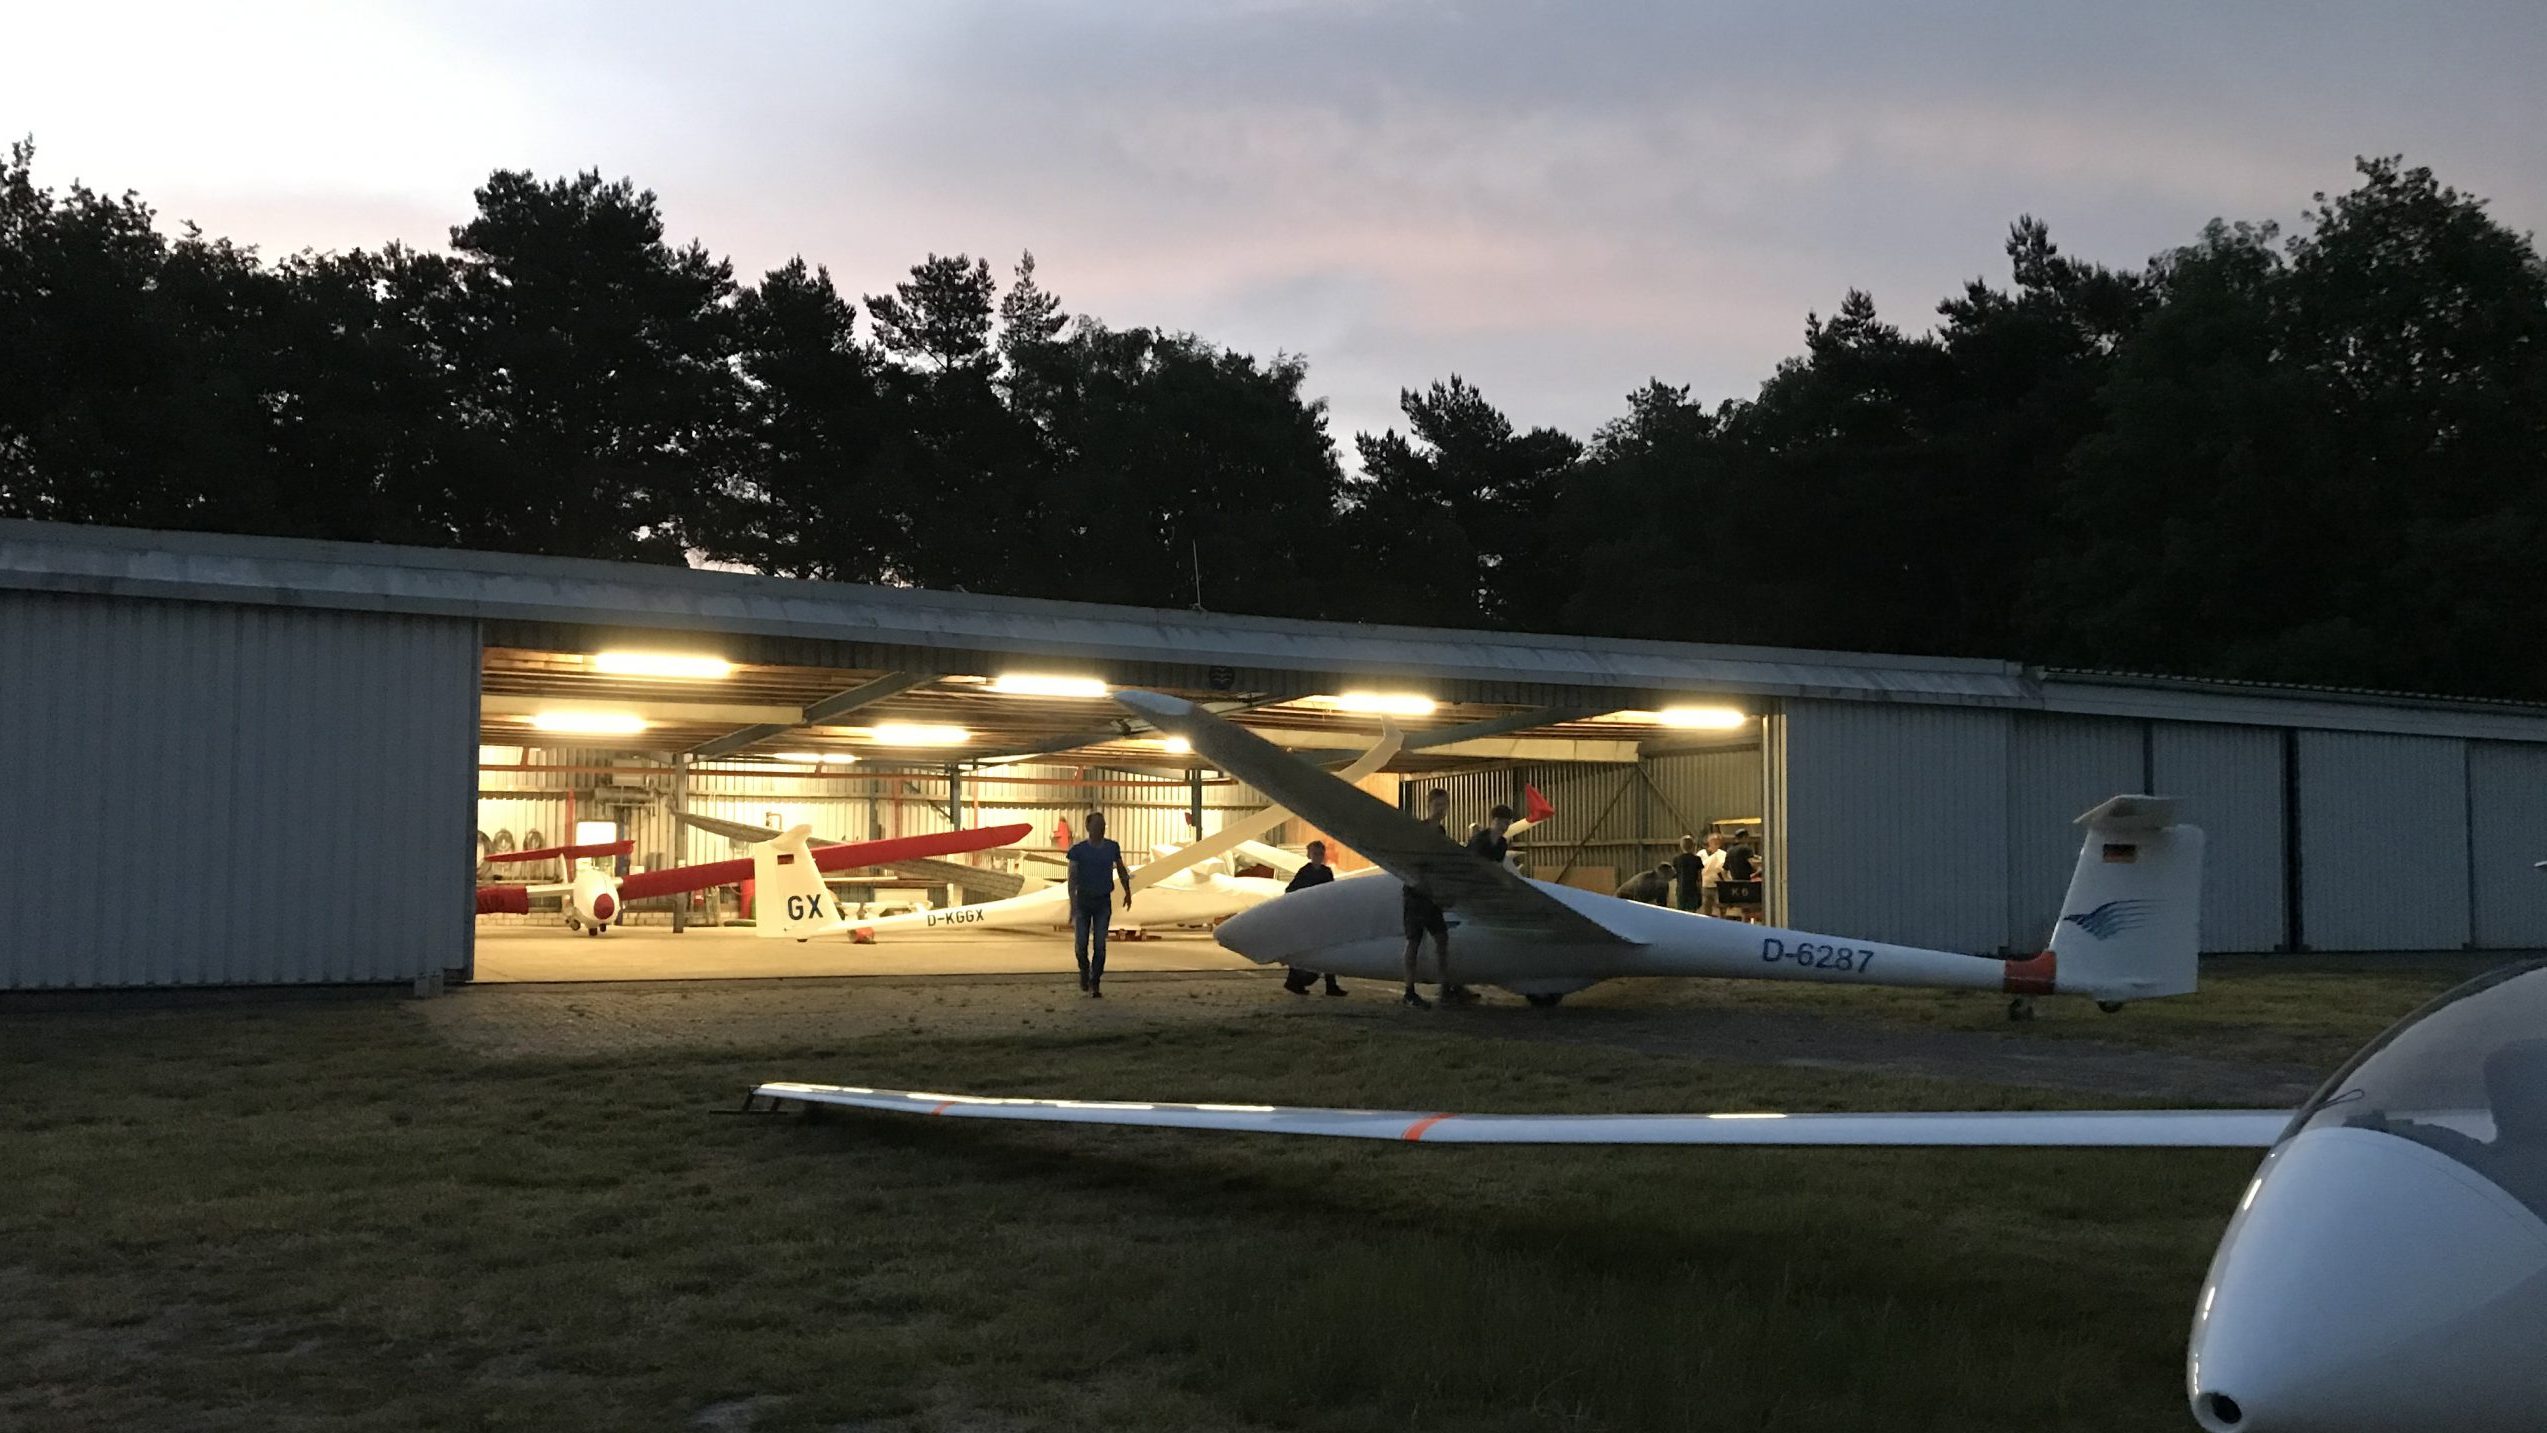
2131 925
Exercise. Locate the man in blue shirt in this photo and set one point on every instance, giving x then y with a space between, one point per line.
1095 862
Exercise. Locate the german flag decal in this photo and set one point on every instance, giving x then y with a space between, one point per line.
2120 853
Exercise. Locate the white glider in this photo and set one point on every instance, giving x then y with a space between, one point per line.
2131 928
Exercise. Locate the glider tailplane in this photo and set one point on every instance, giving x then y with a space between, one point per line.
789 898
2131 926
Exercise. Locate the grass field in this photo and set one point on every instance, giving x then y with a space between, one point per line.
299 1216
2308 1011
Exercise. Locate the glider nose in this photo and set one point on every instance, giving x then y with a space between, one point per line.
2369 1282
1255 933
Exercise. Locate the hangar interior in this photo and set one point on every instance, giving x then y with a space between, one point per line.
601 745
256 760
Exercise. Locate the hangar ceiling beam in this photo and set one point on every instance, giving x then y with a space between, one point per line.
821 713
1498 726
1483 748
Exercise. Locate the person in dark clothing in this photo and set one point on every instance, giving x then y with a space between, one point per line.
1742 862
1095 862
1316 873
1686 870
1422 916
1489 842
1652 887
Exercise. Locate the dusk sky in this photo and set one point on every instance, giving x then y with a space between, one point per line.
1556 201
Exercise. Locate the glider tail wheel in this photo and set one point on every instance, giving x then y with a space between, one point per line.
2111 1007
2021 1008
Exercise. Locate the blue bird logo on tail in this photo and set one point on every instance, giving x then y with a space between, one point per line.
2114 917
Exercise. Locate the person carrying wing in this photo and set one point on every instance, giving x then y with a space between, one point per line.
1421 915
1488 842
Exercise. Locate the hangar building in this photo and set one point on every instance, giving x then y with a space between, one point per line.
244 761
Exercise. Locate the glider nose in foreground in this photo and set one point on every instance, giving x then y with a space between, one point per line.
2372 1285
2387 1268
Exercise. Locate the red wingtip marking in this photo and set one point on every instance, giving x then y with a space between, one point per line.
2032 976
941 1109
1534 805
1416 1130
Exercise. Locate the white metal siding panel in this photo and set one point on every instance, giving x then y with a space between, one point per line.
1896 822
2230 780
2507 818
2058 767
2383 842
215 795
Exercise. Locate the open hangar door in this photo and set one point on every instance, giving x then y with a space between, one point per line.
578 748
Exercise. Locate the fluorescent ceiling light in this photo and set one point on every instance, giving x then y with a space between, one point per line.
900 733
1177 746
1405 704
1023 685
1704 718
817 758
662 664
590 723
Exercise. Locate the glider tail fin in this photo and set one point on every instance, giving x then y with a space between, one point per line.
2131 926
790 899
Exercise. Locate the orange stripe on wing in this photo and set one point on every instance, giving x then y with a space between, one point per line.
2031 976
1416 1130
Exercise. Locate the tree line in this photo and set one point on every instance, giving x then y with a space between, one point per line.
2315 457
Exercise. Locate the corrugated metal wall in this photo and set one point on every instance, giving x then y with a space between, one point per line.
1695 789
1607 815
212 795
2383 828
2059 766
2230 780
2507 825
1894 822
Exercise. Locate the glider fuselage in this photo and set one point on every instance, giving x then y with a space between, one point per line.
1357 928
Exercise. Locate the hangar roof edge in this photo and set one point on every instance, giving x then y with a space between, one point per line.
447 582
450 582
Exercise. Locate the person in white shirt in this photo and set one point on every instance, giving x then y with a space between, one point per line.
1711 869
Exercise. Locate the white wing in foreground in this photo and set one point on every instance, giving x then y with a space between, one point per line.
2117 1129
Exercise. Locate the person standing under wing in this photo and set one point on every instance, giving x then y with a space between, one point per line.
1490 842
1316 873
1421 915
